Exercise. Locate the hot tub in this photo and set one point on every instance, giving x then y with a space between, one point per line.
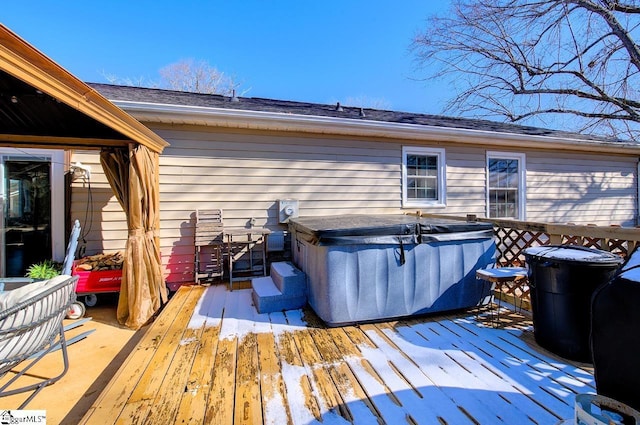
370 267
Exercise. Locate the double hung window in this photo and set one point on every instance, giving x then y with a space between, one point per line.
505 185
423 177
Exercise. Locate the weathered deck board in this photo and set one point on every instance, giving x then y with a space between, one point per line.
211 358
161 376
511 392
273 395
449 368
303 402
193 404
519 363
220 402
125 382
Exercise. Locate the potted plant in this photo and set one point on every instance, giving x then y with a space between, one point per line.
43 270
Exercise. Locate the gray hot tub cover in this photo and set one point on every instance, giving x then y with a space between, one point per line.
386 229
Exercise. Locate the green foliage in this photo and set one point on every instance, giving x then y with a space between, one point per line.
44 270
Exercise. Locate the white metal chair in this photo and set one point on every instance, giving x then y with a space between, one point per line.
31 326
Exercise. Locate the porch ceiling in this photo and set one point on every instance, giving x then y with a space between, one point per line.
43 105
27 111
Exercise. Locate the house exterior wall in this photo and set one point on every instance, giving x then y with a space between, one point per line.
245 173
582 189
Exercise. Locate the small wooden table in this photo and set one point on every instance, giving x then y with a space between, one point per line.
514 278
242 242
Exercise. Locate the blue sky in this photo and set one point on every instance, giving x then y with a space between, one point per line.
324 51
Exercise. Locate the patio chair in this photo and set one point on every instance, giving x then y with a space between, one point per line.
77 308
208 240
31 326
70 255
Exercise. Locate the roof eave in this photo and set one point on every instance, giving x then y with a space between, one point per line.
272 121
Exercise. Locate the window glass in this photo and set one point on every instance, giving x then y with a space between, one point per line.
505 180
423 176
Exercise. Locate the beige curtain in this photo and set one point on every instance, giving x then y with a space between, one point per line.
133 176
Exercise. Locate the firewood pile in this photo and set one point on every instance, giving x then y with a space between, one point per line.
100 262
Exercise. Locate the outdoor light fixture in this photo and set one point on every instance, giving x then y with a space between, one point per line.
14 99
80 171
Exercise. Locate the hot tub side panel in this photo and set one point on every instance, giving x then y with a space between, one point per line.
452 283
357 283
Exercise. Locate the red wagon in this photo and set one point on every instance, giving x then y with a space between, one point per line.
91 283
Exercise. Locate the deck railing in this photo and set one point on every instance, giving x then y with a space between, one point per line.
513 237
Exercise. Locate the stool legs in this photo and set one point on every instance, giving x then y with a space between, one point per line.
494 312
494 316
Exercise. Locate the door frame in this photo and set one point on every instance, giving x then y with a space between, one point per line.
57 161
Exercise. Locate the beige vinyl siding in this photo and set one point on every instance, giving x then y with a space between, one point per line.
104 225
584 189
245 175
465 182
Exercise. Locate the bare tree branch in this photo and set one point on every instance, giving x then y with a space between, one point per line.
525 59
196 77
621 7
618 30
185 75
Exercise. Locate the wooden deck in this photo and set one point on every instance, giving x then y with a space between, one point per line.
211 358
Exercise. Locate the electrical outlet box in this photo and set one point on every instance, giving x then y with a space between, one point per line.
287 208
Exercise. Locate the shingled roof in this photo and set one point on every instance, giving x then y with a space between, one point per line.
170 97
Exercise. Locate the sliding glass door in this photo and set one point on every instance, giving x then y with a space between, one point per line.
32 216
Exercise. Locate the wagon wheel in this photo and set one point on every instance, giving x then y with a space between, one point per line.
76 310
91 300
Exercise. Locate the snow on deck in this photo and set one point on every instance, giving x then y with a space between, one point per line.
225 363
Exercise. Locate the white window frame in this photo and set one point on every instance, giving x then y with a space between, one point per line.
440 201
522 180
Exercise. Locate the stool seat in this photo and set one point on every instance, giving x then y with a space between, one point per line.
502 274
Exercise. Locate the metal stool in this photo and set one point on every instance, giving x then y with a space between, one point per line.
512 277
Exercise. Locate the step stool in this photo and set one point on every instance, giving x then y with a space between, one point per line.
284 289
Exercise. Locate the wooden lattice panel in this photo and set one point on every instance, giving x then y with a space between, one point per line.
513 237
588 242
615 246
517 289
512 242
619 246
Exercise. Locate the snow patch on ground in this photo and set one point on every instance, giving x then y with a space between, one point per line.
423 371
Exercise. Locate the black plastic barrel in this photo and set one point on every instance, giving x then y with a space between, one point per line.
563 279
615 335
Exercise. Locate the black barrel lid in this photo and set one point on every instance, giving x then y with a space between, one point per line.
573 254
